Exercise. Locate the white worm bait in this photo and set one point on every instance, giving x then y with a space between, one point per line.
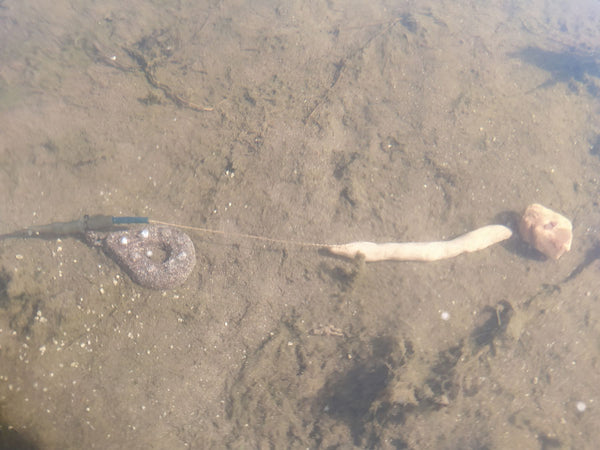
424 251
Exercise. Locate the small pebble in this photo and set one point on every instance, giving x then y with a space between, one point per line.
445 315
123 240
581 406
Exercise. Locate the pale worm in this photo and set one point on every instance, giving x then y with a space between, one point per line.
424 251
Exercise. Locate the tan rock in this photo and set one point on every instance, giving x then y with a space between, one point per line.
547 231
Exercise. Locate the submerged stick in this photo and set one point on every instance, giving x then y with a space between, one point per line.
424 251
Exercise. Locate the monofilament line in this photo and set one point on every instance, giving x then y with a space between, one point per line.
239 235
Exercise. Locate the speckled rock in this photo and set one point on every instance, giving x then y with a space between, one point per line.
154 257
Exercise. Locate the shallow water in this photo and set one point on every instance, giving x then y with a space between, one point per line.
324 122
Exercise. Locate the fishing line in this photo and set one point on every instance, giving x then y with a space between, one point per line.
235 234
105 223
